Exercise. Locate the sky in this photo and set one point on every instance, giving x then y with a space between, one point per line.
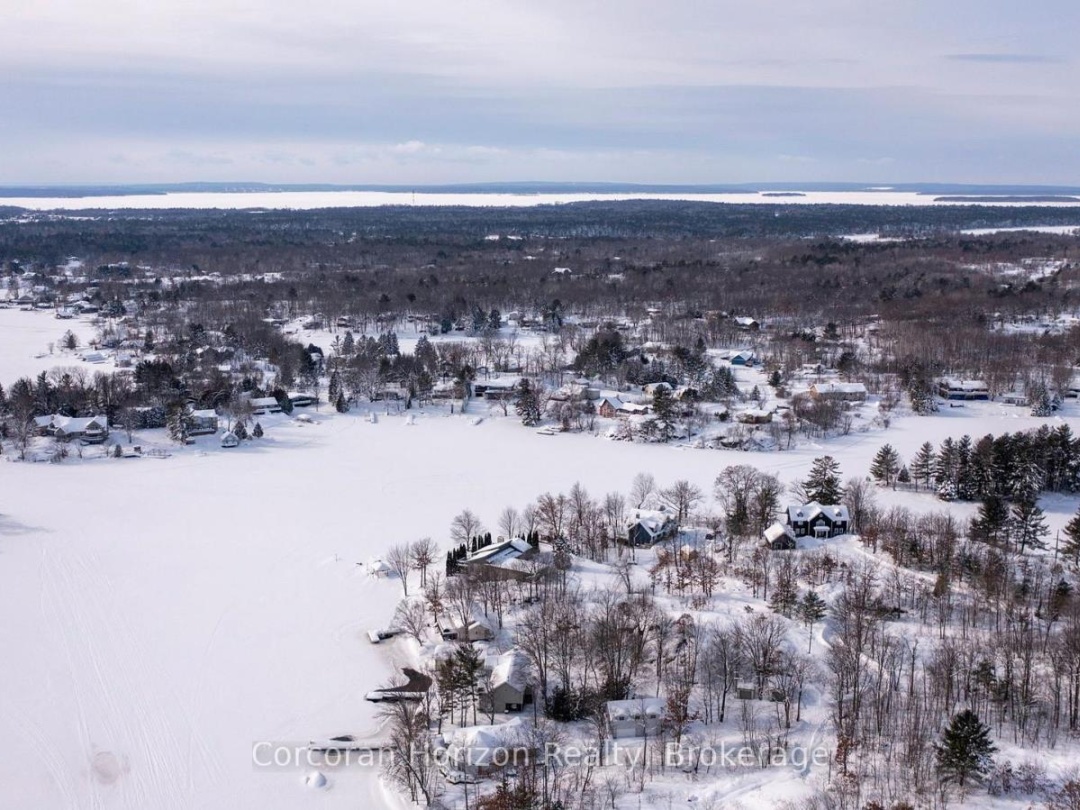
451 91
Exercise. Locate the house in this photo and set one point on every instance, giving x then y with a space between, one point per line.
646 527
631 409
638 717
507 688
780 537
950 388
481 750
608 407
503 559
299 400
754 416
1017 398
203 422
88 429
839 392
816 520
744 358
747 324
479 628
264 405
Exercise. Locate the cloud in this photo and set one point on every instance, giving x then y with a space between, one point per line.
493 89
1004 58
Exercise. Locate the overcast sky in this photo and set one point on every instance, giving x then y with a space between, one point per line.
434 91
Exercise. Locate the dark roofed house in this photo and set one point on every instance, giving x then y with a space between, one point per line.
646 527
816 520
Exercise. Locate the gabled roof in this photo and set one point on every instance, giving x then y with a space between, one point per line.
834 512
509 669
653 521
776 531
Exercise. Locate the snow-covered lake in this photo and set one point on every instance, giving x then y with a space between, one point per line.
306 200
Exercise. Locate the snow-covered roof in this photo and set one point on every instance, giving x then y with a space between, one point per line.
509 669
811 510
635 708
478 744
839 388
776 531
651 520
71 424
503 552
964 385
204 413
632 407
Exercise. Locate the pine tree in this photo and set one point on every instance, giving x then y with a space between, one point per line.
965 750
240 430
991 524
904 476
341 405
1028 525
812 610
257 431
885 466
823 483
1071 547
663 403
178 424
527 403
922 466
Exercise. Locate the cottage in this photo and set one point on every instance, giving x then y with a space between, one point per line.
950 388
747 324
264 405
839 392
646 527
631 409
754 416
507 689
609 407
87 429
639 717
780 537
481 750
203 422
504 560
299 400
816 520
478 628
744 358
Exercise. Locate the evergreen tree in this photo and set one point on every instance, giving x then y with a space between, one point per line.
257 431
1028 525
965 750
663 403
904 476
823 483
922 466
178 424
886 465
341 405
240 430
991 524
527 402
1071 547
348 345
812 610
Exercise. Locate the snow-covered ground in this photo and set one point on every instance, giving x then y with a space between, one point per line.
26 338
304 200
161 616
